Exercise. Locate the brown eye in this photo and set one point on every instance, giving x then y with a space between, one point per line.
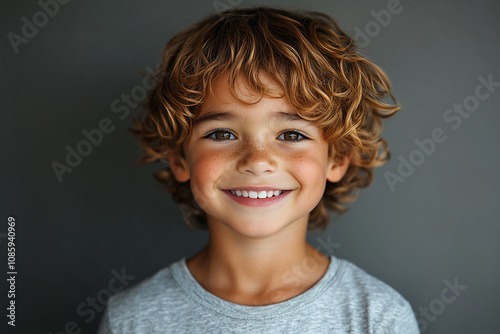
291 136
221 135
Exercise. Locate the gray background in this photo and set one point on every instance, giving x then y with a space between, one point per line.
440 224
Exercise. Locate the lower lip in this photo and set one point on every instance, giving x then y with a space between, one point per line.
257 201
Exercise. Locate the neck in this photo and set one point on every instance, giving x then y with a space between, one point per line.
248 270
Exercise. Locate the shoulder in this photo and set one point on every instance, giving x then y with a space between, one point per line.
384 310
150 295
356 281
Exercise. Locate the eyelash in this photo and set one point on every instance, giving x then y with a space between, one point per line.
212 133
209 136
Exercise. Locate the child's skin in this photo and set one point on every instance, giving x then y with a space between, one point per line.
254 245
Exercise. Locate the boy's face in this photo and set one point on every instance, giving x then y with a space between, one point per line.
239 150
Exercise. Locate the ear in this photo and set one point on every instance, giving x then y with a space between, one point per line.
337 169
180 168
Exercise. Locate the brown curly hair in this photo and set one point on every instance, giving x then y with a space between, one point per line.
319 69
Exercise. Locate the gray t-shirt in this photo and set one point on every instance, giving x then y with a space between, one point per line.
345 300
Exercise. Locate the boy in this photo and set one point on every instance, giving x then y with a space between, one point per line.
267 118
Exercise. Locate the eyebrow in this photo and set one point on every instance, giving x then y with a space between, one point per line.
216 115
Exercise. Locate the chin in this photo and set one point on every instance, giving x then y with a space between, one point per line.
257 230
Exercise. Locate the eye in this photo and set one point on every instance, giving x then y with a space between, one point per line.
292 136
220 135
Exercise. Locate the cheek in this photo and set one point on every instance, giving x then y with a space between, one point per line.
208 174
310 171
309 166
207 169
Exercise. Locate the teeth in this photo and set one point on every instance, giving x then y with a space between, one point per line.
262 194
254 194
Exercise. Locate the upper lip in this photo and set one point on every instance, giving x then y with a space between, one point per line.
257 189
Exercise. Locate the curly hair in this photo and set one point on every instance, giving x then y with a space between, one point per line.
319 69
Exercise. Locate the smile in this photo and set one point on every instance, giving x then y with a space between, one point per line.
256 194
257 197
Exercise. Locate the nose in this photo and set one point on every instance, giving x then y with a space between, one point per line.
257 158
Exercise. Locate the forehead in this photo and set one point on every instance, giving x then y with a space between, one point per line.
221 89
241 97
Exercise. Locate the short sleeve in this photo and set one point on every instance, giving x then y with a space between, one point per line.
404 323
